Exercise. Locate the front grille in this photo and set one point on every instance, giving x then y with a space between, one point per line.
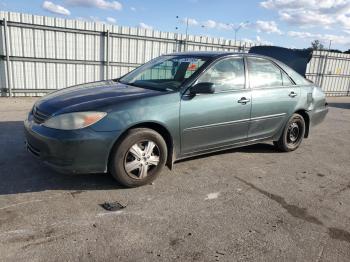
39 116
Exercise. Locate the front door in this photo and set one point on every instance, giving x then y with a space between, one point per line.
209 121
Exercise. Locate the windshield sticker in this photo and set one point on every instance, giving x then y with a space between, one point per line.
192 67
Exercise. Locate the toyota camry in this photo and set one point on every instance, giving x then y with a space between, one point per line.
173 107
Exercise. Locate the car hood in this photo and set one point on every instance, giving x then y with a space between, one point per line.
91 96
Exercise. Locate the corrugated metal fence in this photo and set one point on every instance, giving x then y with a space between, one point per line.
331 71
40 54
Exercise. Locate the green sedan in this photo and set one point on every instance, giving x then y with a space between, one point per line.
174 107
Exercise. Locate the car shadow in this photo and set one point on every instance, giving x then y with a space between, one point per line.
20 172
340 105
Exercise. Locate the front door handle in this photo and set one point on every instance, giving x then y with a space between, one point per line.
243 100
292 94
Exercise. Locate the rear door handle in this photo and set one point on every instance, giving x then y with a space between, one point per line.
292 94
243 100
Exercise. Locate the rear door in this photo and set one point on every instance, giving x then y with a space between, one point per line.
274 97
215 120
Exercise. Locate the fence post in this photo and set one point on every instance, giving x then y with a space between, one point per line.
324 70
319 67
8 82
107 54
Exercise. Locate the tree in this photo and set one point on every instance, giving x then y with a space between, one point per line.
316 45
347 52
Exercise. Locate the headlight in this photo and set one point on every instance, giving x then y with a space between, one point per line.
72 121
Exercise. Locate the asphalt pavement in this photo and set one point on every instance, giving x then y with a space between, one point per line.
246 204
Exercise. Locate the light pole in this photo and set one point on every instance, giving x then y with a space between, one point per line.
330 44
186 32
238 28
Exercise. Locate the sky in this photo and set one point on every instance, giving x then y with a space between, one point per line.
287 23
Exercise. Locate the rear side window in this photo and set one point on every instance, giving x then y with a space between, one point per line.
298 79
227 74
263 73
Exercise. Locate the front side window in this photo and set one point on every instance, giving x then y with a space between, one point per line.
165 72
227 74
263 73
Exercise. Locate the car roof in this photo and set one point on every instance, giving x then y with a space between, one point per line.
207 53
216 54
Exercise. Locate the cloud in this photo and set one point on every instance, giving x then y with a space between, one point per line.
282 4
306 18
225 26
101 4
311 13
209 24
258 40
111 20
324 6
133 9
344 21
336 39
191 21
263 41
145 26
267 27
56 9
301 34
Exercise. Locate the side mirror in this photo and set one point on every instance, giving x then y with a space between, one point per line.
203 88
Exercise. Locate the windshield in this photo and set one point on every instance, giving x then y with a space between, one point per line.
165 72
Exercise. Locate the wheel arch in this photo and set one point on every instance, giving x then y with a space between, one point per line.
306 117
157 127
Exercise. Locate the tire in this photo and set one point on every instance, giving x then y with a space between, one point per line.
133 163
292 135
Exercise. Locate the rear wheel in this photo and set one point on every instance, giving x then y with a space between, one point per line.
139 158
292 135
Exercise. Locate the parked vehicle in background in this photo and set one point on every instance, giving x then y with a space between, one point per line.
173 107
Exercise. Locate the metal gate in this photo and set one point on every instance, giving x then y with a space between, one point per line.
331 71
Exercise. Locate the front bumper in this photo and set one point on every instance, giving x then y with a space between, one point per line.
75 151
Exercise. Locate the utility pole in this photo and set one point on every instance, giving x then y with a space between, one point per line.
186 32
238 28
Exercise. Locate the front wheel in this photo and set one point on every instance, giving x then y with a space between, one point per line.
292 135
139 158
